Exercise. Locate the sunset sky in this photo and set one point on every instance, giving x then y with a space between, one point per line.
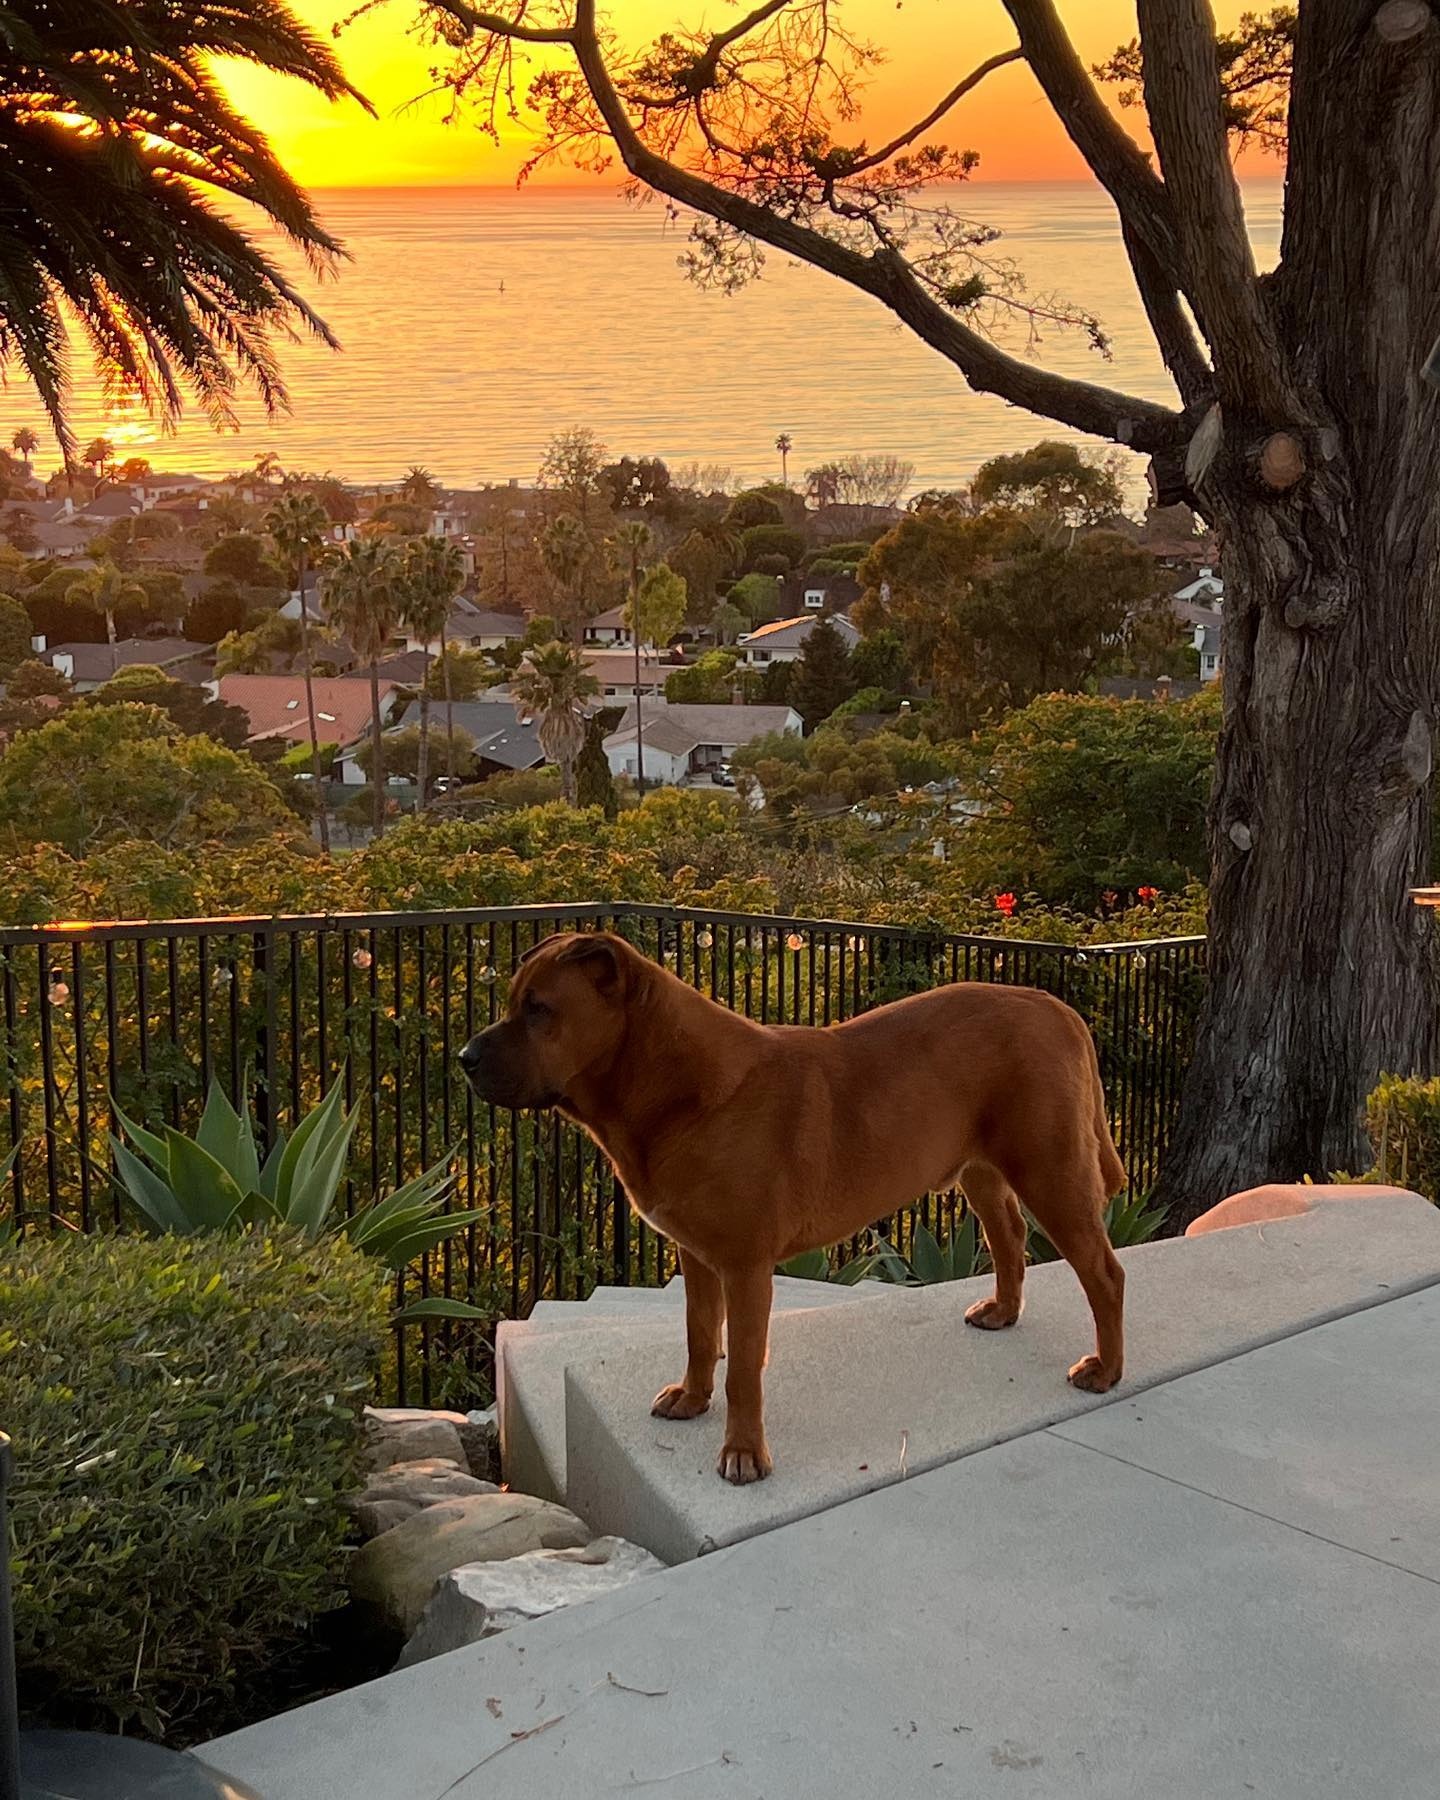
1005 119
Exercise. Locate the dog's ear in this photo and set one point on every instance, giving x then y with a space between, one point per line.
600 953
544 944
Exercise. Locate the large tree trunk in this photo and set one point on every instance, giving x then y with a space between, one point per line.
449 708
422 765
1322 971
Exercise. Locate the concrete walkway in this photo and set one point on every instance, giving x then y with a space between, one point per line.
1228 1585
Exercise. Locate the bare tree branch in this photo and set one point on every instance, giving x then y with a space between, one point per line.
1117 161
476 20
1183 98
875 157
1142 424
1184 357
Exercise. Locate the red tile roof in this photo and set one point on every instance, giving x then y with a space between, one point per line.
275 705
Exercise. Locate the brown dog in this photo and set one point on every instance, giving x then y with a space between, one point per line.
747 1143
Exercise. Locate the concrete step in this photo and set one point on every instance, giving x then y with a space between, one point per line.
532 1355
858 1398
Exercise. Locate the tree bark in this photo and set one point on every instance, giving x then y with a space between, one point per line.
1322 973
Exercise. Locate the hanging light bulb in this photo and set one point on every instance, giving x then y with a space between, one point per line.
795 941
486 975
222 977
704 939
362 958
59 989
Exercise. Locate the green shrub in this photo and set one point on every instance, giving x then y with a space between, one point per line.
184 1413
1402 1116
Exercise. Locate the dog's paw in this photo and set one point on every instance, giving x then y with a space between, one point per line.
1089 1374
677 1402
740 1464
989 1315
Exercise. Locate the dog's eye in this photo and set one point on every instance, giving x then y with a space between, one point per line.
536 1009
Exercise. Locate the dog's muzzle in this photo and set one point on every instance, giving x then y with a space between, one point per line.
490 1068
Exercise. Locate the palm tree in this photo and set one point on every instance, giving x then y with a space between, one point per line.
298 528
99 455
419 487
107 588
784 445
121 161
25 444
362 594
634 540
433 574
552 685
567 551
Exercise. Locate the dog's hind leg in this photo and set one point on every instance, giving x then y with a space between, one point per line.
993 1202
1069 1207
704 1315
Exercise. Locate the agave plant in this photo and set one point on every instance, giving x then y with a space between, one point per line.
215 1181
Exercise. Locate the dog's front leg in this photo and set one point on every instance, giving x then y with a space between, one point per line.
746 1456
704 1315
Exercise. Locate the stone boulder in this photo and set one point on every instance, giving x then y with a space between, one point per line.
392 1495
393 1575
403 1434
480 1599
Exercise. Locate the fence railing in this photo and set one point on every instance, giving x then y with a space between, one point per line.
143 1015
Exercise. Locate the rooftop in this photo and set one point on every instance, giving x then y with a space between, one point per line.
724 725
788 631
275 705
97 662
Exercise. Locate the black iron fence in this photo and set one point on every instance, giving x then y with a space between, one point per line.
143 1015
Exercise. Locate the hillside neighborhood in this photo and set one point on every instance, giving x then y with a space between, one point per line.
132 572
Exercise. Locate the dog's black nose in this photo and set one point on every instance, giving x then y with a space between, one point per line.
471 1055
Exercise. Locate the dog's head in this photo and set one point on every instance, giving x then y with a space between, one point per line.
565 1017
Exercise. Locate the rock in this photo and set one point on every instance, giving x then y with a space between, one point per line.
391 1495
399 1434
480 1599
394 1574
480 1435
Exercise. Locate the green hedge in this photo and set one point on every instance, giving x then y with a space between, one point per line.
184 1419
1402 1116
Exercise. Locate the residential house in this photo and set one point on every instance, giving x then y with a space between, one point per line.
275 707
89 666
785 639
503 739
822 593
107 504
472 627
1199 606
682 743
1207 589
607 629
615 671
1207 648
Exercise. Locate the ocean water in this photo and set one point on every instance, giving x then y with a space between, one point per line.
475 322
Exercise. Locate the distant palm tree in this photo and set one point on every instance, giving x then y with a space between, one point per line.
552 685
299 530
419 487
120 161
99 455
784 445
634 540
433 574
267 468
25 443
107 588
362 595
568 553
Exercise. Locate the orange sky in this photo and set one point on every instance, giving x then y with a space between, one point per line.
929 44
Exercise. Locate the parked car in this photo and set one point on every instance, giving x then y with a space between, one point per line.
722 776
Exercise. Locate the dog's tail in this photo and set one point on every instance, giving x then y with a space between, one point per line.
1112 1170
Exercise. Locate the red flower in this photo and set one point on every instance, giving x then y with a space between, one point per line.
1148 894
1005 903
